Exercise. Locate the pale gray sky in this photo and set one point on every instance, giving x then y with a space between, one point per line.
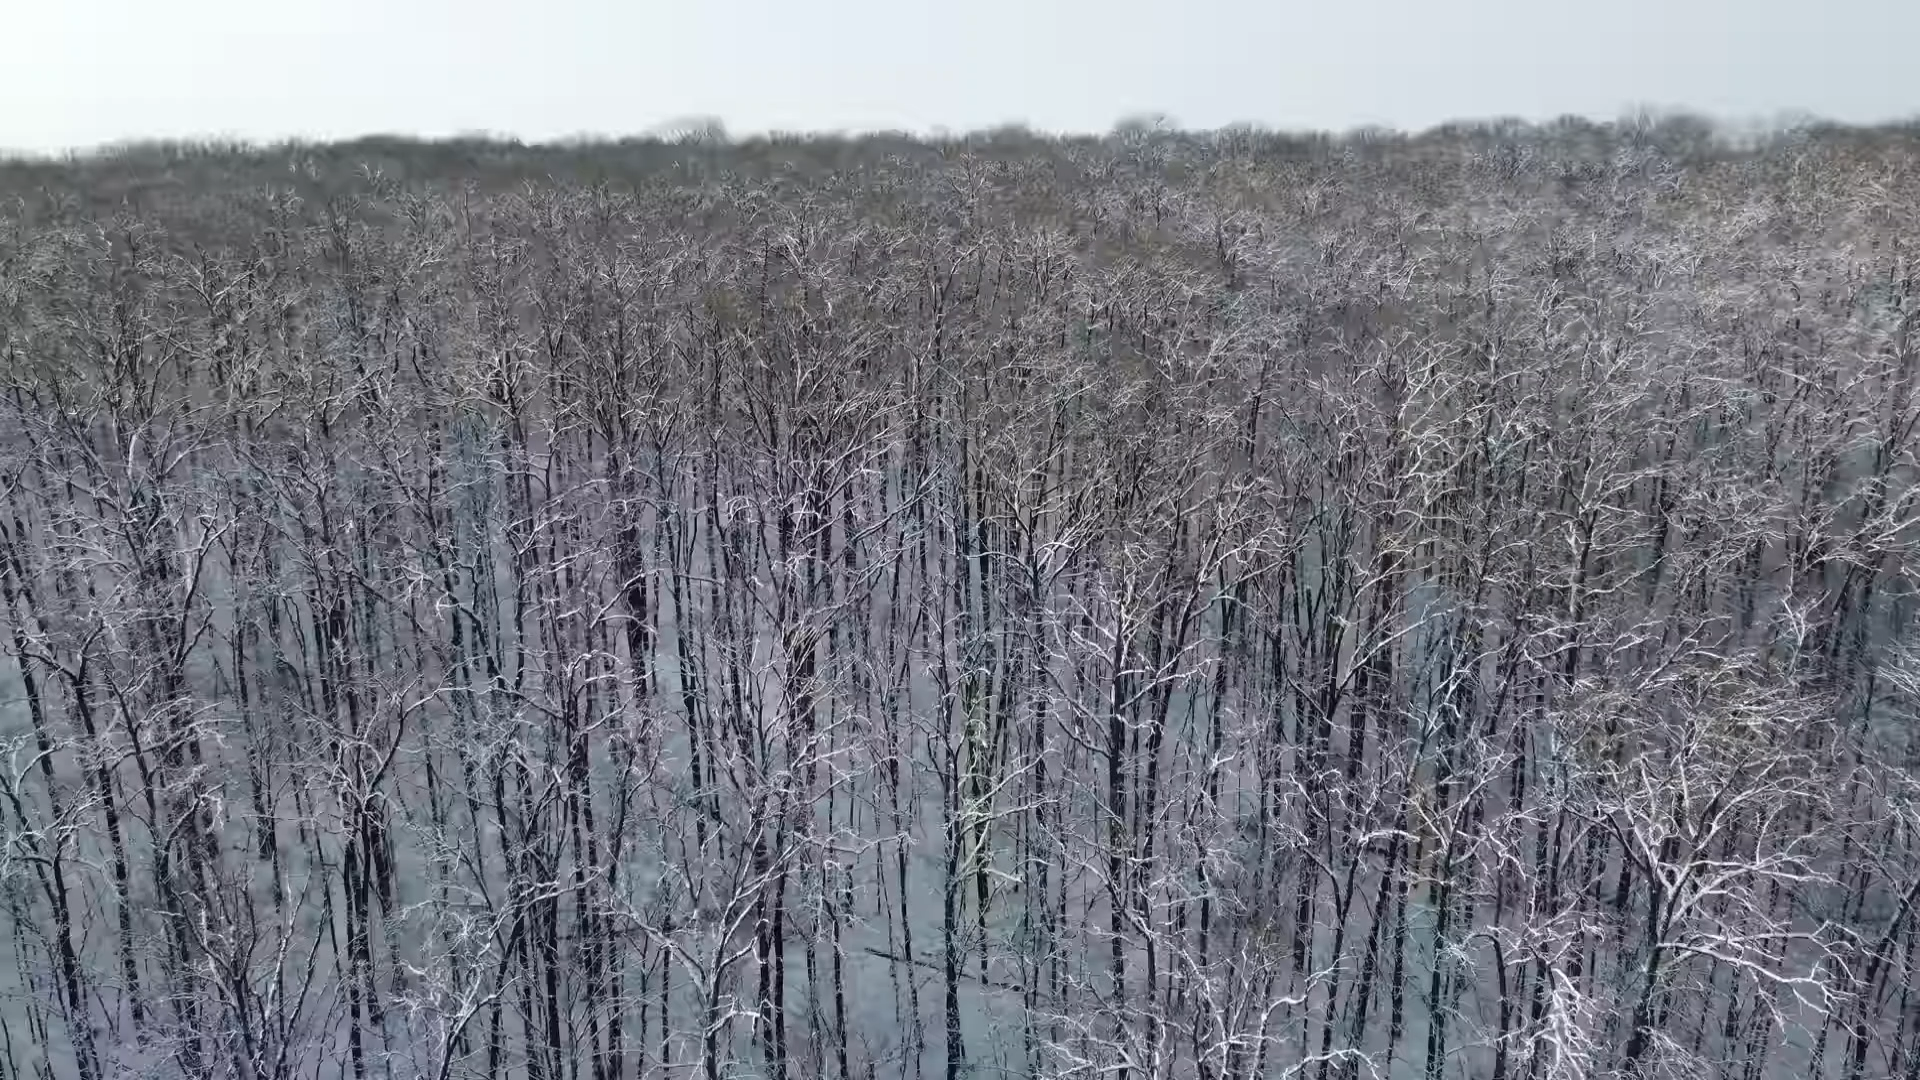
80 72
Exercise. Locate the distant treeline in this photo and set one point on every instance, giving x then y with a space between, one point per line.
164 172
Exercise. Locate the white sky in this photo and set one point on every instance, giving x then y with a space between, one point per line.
81 72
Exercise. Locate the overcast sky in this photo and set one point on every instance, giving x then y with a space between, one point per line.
82 72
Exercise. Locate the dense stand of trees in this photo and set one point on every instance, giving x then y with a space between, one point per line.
1169 606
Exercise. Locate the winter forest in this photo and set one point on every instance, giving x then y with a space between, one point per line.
1202 606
